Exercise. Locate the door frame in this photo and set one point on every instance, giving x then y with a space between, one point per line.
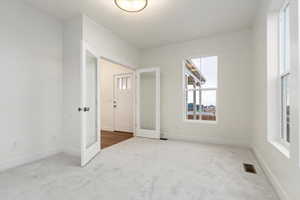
85 46
88 154
132 74
133 87
155 134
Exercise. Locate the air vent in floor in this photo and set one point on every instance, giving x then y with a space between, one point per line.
163 138
249 168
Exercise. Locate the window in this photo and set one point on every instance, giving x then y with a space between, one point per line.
284 65
124 83
200 88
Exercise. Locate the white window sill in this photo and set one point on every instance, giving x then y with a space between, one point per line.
201 121
281 148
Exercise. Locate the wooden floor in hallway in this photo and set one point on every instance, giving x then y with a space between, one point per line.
109 138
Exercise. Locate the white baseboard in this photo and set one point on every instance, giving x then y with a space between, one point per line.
103 128
272 178
209 140
147 133
26 158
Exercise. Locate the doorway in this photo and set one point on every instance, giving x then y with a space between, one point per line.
117 102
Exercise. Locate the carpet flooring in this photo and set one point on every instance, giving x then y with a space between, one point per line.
142 169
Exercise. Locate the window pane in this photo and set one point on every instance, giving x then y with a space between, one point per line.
193 107
190 82
288 116
284 37
208 105
128 82
124 81
285 109
190 104
282 109
208 67
120 83
201 73
197 106
284 62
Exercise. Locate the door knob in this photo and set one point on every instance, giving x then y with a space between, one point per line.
86 109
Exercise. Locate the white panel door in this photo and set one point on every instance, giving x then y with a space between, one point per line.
148 103
123 103
90 117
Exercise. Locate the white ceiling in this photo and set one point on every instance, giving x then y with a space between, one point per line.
163 21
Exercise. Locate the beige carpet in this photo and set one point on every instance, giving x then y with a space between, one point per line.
139 169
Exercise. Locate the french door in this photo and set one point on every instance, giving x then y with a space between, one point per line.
90 109
148 103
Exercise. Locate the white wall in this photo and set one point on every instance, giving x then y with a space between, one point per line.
234 94
30 84
107 72
108 45
283 172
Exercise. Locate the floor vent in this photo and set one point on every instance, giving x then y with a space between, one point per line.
250 168
163 138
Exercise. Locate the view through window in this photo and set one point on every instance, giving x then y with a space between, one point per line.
284 64
200 88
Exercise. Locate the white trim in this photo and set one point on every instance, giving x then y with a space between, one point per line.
106 128
284 67
282 148
148 133
142 132
158 100
87 154
272 178
134 91
194 138
98 82
272 72
200 121
93 50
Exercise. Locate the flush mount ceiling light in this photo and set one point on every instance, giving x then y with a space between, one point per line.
131 5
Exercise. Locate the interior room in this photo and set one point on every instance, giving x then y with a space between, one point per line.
117 102
145 99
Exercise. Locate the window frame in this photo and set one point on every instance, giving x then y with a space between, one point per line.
284 64
184 93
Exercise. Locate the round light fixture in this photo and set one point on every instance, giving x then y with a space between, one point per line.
131 5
